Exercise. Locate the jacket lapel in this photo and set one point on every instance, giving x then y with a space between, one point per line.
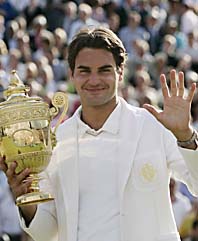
68 172
130 132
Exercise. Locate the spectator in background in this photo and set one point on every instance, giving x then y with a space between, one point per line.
191 77
11 33
133 31
187 223
180 203
54 14
84 19
22 23
60 37
2 26
168 46
191 47
70 15
23 44
9 222
20 5
185 63
58 66
46 79
194 231
173 10
31 11
143 88
153 27
46 42
158 67
39 24
114 22
7 10
188 18
172 28
143 9
14 62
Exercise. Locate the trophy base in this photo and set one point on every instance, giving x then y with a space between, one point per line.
33 198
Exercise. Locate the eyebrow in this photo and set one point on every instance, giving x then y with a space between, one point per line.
100 68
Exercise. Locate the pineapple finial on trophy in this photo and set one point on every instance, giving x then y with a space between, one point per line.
16 86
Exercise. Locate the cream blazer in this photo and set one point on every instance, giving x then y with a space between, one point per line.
148 156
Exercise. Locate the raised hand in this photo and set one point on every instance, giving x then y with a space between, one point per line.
176 113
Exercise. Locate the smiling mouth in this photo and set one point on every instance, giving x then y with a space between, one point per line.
94 89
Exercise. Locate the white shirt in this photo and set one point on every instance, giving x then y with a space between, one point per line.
99 214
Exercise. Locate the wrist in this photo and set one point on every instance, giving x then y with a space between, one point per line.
190 143
184 135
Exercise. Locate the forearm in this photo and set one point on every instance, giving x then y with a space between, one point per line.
28 213
44 219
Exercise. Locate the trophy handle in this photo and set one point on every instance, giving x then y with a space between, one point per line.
59 100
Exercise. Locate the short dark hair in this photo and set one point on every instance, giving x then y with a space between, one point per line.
98 38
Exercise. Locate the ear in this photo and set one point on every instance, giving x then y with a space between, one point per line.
70 74
121 72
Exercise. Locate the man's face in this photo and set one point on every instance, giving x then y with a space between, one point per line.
96 77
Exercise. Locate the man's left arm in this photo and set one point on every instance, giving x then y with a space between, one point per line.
176 113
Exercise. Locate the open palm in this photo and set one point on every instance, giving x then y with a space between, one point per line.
176 113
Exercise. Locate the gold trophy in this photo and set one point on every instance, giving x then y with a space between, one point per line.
26 135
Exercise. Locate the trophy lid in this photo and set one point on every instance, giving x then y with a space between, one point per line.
16 87
18 106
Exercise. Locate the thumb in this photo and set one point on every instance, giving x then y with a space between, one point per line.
155 112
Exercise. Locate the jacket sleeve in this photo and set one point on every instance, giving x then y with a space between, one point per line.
183 163
44 224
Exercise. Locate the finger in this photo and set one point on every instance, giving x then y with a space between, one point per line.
22 189
16 179
22 177
152 110
191 92
181 84
10 173
3 165
173 83
164 86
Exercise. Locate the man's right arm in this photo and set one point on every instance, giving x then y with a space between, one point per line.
18 187
28 213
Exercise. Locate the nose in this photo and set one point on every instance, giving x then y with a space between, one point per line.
94 78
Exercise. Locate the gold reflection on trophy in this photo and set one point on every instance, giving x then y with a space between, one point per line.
26 135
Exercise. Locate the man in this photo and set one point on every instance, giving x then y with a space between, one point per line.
110 170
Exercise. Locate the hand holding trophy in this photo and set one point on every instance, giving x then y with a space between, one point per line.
26 136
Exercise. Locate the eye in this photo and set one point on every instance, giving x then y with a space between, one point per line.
84 71
105 70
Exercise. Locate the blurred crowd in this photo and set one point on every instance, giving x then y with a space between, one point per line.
158 35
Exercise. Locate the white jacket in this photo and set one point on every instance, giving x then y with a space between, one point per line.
148 155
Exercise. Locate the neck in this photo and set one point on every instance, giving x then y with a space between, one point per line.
95 116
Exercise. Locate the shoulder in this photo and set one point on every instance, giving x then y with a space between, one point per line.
137 114
137 110
65 128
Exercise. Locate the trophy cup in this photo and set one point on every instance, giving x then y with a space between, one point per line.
26 135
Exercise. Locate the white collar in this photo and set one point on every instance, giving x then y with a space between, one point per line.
111 125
